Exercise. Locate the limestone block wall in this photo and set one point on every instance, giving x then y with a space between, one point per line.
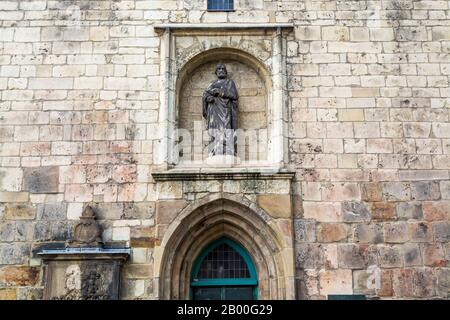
369 137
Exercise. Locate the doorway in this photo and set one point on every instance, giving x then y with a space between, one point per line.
224 271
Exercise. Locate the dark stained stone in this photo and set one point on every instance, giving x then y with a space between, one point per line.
355 211
425 190
41 180
309 256
7 231
369 233
349 256
424 282
390 257
52 211
409 210
411 255
14 253
305 230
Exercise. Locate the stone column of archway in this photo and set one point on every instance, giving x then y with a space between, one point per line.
235 217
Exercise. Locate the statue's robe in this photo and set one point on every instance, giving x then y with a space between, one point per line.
221 114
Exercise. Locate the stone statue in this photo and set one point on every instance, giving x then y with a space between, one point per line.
220 105
87 232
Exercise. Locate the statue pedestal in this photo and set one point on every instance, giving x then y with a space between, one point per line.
83 273
223 161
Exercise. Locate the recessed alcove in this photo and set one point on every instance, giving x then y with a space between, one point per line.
252 109
255 59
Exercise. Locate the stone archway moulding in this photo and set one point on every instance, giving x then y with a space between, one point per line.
218 41
235 217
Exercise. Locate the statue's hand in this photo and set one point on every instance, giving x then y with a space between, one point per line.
215 92
210 99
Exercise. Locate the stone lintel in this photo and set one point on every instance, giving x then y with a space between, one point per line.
221 26
204 174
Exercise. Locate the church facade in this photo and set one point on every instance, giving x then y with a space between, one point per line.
337 185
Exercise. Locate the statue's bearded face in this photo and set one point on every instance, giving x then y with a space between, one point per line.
221 71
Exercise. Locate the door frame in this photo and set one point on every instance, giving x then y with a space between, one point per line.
222 282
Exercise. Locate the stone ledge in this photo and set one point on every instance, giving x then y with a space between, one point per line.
85 254
221 26
224 174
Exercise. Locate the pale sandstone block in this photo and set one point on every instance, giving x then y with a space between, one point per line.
351 115
322 211
27 34
11 179
335 282
335 33
78 193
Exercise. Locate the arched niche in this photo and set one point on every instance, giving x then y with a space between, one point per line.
184 48
255 91
224 216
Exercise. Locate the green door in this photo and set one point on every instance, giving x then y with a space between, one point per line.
224 271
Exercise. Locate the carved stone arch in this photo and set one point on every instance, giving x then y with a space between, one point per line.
235 217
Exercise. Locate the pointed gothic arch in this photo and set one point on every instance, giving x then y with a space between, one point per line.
234 217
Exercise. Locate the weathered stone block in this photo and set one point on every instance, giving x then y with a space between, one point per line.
305 230
420 232
424 282
138 271
41 180
386 284
370 192
442 231
322 211
443 282
331 232
138 210
383 211
19 276
24 231
52 211
355 211
8 294
364 282
433 255
143 237
412 255
396 232
309 256
109 211
7 230
425 190
403 282
277 205
369 233
335 282
396 191
436 210
390 257
170 190
409 210
166 211
349 256
17 211
10 179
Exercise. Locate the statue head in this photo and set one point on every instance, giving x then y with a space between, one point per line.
221 71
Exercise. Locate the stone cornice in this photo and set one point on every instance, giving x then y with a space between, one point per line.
221 26
229 174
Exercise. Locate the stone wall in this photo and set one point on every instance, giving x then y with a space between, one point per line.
369 138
